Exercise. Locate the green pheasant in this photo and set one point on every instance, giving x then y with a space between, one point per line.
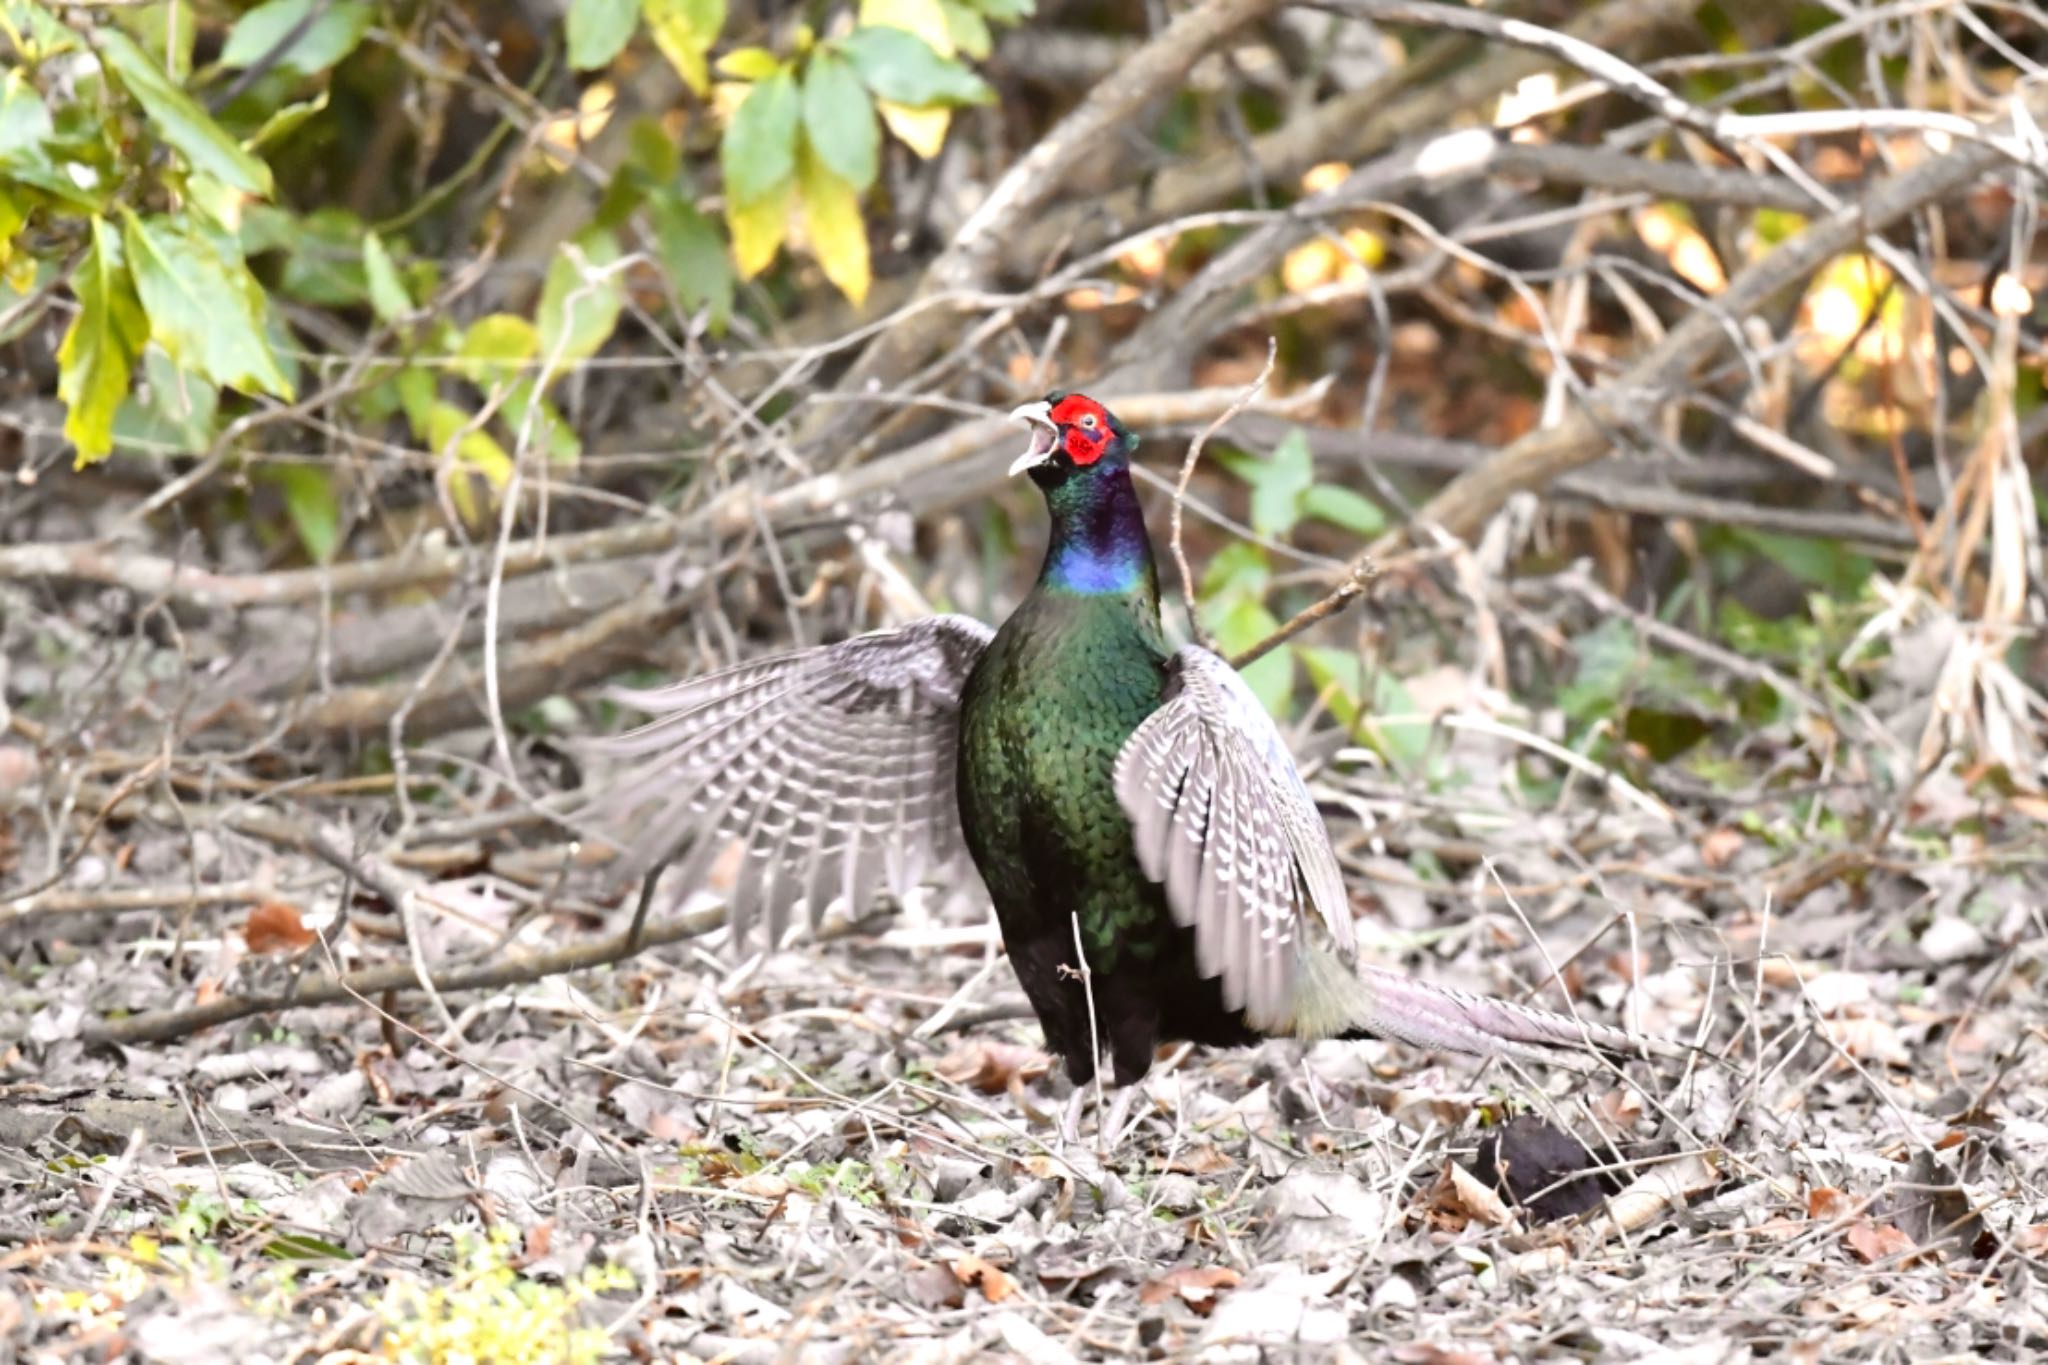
1111 791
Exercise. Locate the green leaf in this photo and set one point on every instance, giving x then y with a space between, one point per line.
326 39
1271 675
1277 483
187 127
24 119
1239 569
832 221
541 424
839 120
577 315
1342 507
167 30
1338 675
684 30
98 354
325 261
690 249
598 29
204 307
1335 674
178 415
759 149
311 502
388 296
903 68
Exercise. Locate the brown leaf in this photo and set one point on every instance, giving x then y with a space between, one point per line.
1877 1242
1196 1286
1720 846
1825 1203
1205 1159
1476 1200
973 1272
990 1067
1428 1353
275 927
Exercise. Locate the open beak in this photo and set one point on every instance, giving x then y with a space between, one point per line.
1045 436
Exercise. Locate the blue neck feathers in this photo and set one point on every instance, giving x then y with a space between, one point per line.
1098 536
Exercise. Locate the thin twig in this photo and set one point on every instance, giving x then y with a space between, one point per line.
1187 472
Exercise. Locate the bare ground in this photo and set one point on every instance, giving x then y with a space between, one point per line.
846 1149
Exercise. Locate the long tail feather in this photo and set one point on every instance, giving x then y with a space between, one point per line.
1334 1001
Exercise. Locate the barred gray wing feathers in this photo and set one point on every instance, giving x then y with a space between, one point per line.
831 767
1220 816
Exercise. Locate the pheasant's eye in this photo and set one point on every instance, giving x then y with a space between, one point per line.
1088 420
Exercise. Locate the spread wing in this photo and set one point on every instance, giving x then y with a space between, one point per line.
832 767
1220 815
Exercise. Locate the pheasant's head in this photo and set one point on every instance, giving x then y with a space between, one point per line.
1071 432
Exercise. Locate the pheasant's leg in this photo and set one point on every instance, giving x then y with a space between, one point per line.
1111 1135
1070 1118
639 924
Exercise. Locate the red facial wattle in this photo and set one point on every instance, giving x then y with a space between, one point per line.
1085 447
1084 428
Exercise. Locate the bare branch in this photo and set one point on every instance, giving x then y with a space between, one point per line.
1187 472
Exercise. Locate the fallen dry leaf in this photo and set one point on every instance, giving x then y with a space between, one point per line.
1825 1203
1877 1242
762 1184
1476 1200
990 1067
1870 1040
1206 1159
1720 846
1196 1286
274 927
973 1272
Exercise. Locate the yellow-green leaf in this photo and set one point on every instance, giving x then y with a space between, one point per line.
12 216
758 229
749 64
921 130
925 18
204 307
388 296
684 30
203 143
832 221
287 121
99 349
454 437
496 348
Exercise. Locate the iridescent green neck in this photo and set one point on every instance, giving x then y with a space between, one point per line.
1098 537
